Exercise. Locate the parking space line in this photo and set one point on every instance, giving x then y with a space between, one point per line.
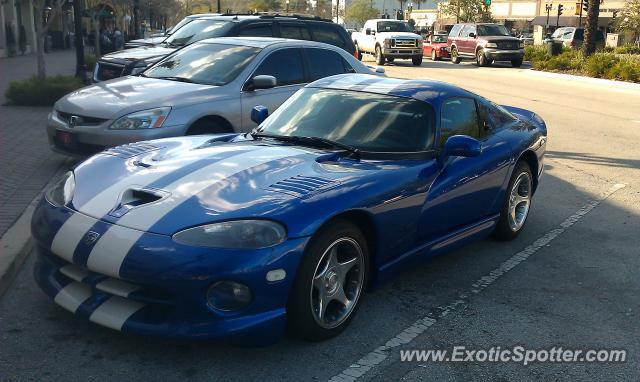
377 356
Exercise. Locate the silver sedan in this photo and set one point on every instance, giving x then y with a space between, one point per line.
207 87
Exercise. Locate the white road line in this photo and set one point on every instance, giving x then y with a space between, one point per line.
377 356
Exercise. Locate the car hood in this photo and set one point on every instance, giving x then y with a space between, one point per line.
114 98
136 54
191 181
148 41
400 35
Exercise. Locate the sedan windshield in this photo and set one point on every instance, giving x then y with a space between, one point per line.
198 30
439 38
492 30
364 121
393 26
208 64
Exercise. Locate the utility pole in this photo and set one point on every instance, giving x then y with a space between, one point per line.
219 7
457 11
560 7
548 8
581 7
136 18
81 67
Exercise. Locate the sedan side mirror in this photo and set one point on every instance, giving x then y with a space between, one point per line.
461 146
259 114
263 82
472 35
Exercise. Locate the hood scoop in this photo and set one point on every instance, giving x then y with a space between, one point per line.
130 150
136 197
302 186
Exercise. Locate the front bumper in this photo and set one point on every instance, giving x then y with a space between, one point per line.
160 287
401 52
88 140
503 55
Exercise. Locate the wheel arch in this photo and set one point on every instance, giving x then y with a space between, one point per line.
214 118
531 159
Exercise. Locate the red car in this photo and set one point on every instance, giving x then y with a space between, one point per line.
435 46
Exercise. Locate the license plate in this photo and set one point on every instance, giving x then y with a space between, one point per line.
65 138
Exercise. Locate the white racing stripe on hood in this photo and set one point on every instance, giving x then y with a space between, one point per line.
73 230
109 252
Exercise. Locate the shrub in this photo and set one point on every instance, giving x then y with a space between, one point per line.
627 49
535 53
568 60
625 69
599 64
90 61
35 92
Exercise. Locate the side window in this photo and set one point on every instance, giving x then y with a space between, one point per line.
458 116
327 33
492 117
455 30
325 63
285 65
466 30
294 31
257 30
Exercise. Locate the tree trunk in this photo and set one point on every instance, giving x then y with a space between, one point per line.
42 71
591 29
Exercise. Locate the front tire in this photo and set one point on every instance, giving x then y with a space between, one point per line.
379 57
517 203
433 55
455 58
206 126
481 59
330 281
516 63
416 61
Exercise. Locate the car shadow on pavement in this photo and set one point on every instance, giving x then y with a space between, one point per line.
447 64
44 342
594 159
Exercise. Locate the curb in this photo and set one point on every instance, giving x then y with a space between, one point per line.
584 79
16 243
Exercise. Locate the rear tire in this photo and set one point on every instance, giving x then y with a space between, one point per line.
338 283
517 203
455 58
416 60
358 52
379 57
516 63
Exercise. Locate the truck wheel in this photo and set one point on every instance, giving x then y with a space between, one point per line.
433 55
417 60
516 63
481 59
390 60
454 56
379 57
358 52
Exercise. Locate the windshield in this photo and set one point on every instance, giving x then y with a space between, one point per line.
439 38
366 121
492 30
208 64
393 26
182 23
199 30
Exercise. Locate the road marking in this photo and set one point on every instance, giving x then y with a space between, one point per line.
377 356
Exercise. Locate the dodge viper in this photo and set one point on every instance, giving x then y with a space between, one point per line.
237 237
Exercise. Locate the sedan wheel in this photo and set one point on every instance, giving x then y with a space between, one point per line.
433 55
517 203
331 279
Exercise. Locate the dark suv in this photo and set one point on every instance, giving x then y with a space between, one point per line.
134 61
485 43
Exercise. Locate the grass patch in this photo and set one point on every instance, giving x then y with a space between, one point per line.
35 92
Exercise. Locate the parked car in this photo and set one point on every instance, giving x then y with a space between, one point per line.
484 43
573 38
388 40
134 61
435 47
235 236
527 38
157 39
207 87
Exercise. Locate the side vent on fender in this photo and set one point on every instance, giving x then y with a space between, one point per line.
301 186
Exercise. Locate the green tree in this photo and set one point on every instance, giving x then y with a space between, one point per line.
629 18
265 5
467 11
360 11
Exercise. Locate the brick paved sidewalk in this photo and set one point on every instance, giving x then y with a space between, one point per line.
26 162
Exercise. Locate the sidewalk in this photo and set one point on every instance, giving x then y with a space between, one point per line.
26 162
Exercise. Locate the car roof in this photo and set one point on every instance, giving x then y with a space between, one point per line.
423 90
263 42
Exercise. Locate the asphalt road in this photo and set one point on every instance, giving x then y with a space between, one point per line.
570 279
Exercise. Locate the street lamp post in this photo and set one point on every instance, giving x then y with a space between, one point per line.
548 8
81 67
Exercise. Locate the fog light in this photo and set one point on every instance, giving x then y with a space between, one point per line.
228 296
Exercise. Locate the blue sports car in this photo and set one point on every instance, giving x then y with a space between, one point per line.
236 237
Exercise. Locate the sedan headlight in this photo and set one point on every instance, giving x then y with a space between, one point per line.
145 119
61 192
491 45
235 234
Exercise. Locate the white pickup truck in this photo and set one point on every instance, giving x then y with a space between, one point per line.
388 40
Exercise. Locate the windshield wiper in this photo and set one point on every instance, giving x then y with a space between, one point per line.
179 79
310 140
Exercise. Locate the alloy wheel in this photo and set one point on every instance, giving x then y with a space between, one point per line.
519 201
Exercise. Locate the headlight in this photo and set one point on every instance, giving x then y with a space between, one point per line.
387 43
419 43
145 119
238 234
137 70
491 45
61 192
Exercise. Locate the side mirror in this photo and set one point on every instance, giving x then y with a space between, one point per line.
367 31
263 82
461 146
379 69
259 114
472 35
